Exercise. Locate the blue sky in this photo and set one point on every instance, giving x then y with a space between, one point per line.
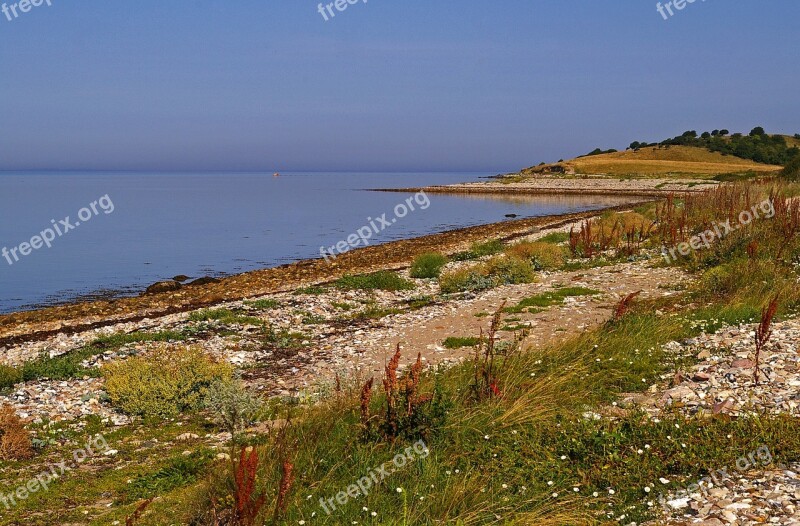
387 85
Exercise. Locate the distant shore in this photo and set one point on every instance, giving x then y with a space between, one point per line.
572 185
39 324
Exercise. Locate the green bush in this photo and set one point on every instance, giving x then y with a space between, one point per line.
792 170
383 280
9 376
428 266
164 384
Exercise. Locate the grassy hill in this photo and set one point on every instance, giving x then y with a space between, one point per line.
657 161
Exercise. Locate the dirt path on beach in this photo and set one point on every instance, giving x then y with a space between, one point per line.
363 352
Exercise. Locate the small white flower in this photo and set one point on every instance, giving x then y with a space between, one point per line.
647 489
505 486
399 490
663 480
595 494
555 495
576 490
374 513
301 522
486 437
549 482
611 491
365 508
563 457
639 451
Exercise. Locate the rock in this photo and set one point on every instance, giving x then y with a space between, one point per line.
180 278
187 436
163 286
743 364
701 377
723 407
202 281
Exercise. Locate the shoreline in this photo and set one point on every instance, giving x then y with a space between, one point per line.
594 185
69 318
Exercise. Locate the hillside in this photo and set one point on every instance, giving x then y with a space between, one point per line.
656 160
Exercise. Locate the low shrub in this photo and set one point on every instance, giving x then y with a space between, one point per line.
383 280
509 271
465 280
15 441
543 256
428 266
500 270
9 376
165 383
232 406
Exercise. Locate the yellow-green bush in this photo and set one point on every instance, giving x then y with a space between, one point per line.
166 382
544 256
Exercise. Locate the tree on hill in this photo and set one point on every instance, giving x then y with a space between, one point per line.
706 135
792 170
715 133
758 130
797 136
723 133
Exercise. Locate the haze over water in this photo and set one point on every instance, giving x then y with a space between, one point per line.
165 224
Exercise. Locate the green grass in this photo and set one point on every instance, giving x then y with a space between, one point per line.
314 290
547 299
384 280
479 250
180 470
455 342
69 365
427 266
263 304
555 238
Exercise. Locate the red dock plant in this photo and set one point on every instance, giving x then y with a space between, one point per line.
764 333
624 305
285 486
247 505
366 398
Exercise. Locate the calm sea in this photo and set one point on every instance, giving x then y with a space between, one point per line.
210 224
